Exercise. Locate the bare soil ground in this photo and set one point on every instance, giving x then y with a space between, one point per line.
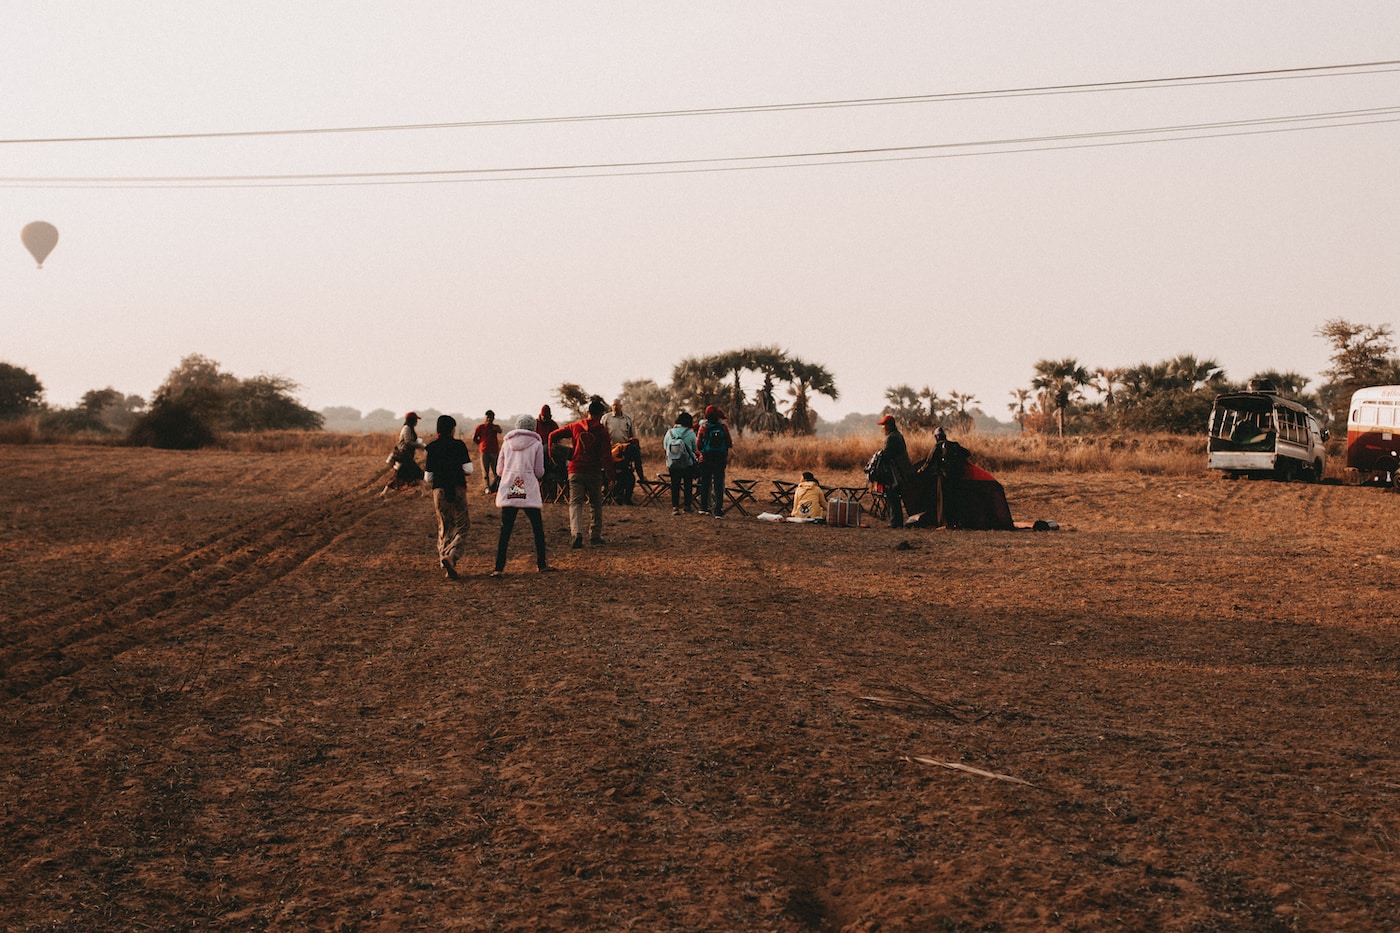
238 695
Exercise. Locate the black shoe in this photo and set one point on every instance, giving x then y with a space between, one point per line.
548 569
596 541
578 542
448 569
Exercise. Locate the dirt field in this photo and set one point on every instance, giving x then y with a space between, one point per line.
238 695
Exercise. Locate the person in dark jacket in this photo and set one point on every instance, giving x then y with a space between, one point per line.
448 464
713 443
901 468
554 475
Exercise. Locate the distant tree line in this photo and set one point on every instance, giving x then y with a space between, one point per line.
197 402
1175 395
925 408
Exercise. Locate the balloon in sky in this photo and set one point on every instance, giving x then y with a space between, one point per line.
39 238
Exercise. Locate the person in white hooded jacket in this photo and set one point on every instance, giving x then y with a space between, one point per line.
520 466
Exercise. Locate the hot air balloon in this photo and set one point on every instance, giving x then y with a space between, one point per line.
39 238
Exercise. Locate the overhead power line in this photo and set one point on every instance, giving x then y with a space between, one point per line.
1171 133
1277 74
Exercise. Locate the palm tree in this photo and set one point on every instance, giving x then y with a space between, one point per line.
1189 373
649 405
733 364
695 382
935 406
961 419
1105 379
1064 380
774 364
1018 407
903 403
804 379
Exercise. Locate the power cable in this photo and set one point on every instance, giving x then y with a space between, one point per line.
1256 126
1279 74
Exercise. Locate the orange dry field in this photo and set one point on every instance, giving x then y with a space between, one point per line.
238 694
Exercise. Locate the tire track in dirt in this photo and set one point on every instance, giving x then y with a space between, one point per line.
201 580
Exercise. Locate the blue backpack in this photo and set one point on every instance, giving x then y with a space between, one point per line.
714 440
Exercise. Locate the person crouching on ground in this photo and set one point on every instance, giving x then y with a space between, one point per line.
808 499
590 465
521 465
447 465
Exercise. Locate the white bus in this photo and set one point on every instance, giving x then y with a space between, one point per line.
1373 435
1262 433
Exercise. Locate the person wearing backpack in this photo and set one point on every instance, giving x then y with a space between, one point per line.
681 460
895 454
713 443
589 465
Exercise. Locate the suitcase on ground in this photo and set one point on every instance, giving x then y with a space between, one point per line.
843 512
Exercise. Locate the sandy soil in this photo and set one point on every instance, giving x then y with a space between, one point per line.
238 695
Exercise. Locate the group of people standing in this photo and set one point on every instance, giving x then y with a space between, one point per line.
601 452
701 455
597 453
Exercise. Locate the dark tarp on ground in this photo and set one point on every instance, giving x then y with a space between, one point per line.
973 500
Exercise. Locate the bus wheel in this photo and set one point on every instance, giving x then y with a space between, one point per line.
1285 471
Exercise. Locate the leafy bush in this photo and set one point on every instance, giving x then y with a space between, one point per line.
171 425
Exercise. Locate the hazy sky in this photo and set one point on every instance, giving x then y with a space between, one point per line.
945 264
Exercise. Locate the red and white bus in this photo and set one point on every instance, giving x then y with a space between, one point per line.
1373 434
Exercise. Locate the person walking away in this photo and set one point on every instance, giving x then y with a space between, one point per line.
590 465
681 461
521 466
622 431
448 465
402 461
713 443
896 455
487 438
808 499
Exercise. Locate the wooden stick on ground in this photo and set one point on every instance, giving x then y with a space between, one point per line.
970 770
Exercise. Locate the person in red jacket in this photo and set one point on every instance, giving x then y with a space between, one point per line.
488 440
590 465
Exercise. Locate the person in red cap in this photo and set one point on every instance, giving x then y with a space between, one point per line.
896 454
713 443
